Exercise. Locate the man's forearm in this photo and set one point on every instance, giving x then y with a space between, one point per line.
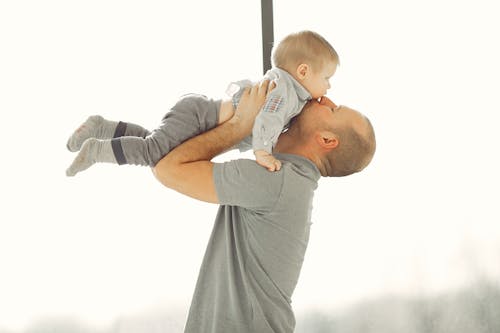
207 145
188 170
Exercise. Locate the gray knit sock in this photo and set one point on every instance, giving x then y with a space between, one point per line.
94 127
92 151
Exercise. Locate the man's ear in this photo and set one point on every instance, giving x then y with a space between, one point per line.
327 140
302 71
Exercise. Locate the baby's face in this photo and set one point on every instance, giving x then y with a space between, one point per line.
318 82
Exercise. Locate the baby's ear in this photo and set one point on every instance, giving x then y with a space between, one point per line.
302 70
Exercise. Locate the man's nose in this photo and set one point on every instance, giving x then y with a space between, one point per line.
328 102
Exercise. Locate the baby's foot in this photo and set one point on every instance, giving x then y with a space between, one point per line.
89 129
85 158
92 151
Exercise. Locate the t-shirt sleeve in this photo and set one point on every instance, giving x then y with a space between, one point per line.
246 184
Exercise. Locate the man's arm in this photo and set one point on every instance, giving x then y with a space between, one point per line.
188 168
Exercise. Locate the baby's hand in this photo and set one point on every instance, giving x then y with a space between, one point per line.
267 160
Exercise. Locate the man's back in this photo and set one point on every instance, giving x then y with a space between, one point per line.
254 256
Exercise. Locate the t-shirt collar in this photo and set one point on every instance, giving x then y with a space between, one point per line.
307 167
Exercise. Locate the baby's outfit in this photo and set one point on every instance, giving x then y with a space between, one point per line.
192 115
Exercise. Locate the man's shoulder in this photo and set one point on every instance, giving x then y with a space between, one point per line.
300 166
249 170
244 183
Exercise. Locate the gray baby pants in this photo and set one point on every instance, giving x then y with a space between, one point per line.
190 116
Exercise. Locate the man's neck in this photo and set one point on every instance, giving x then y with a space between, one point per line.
287 145
290 144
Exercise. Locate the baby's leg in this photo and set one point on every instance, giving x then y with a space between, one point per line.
94 150
189 117
121 150
140 151
94 127
130 129
130 150
100 128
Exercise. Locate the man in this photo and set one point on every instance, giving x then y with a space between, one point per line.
255 253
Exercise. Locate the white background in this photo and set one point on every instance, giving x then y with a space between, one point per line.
422 218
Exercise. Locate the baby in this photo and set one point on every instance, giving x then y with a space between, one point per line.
303 64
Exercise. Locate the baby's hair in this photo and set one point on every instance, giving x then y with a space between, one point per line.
303 47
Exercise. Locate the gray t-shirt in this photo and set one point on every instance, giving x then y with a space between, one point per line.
255 253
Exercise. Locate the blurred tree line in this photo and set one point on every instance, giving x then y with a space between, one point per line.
475 309
472 310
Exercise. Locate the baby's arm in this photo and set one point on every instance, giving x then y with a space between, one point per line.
267 128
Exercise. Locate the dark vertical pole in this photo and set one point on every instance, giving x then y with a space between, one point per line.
267 32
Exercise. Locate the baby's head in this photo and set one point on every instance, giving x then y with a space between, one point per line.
309 58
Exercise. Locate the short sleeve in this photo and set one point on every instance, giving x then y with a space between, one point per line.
246 184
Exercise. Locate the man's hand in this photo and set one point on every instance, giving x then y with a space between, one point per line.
267 160
250 104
